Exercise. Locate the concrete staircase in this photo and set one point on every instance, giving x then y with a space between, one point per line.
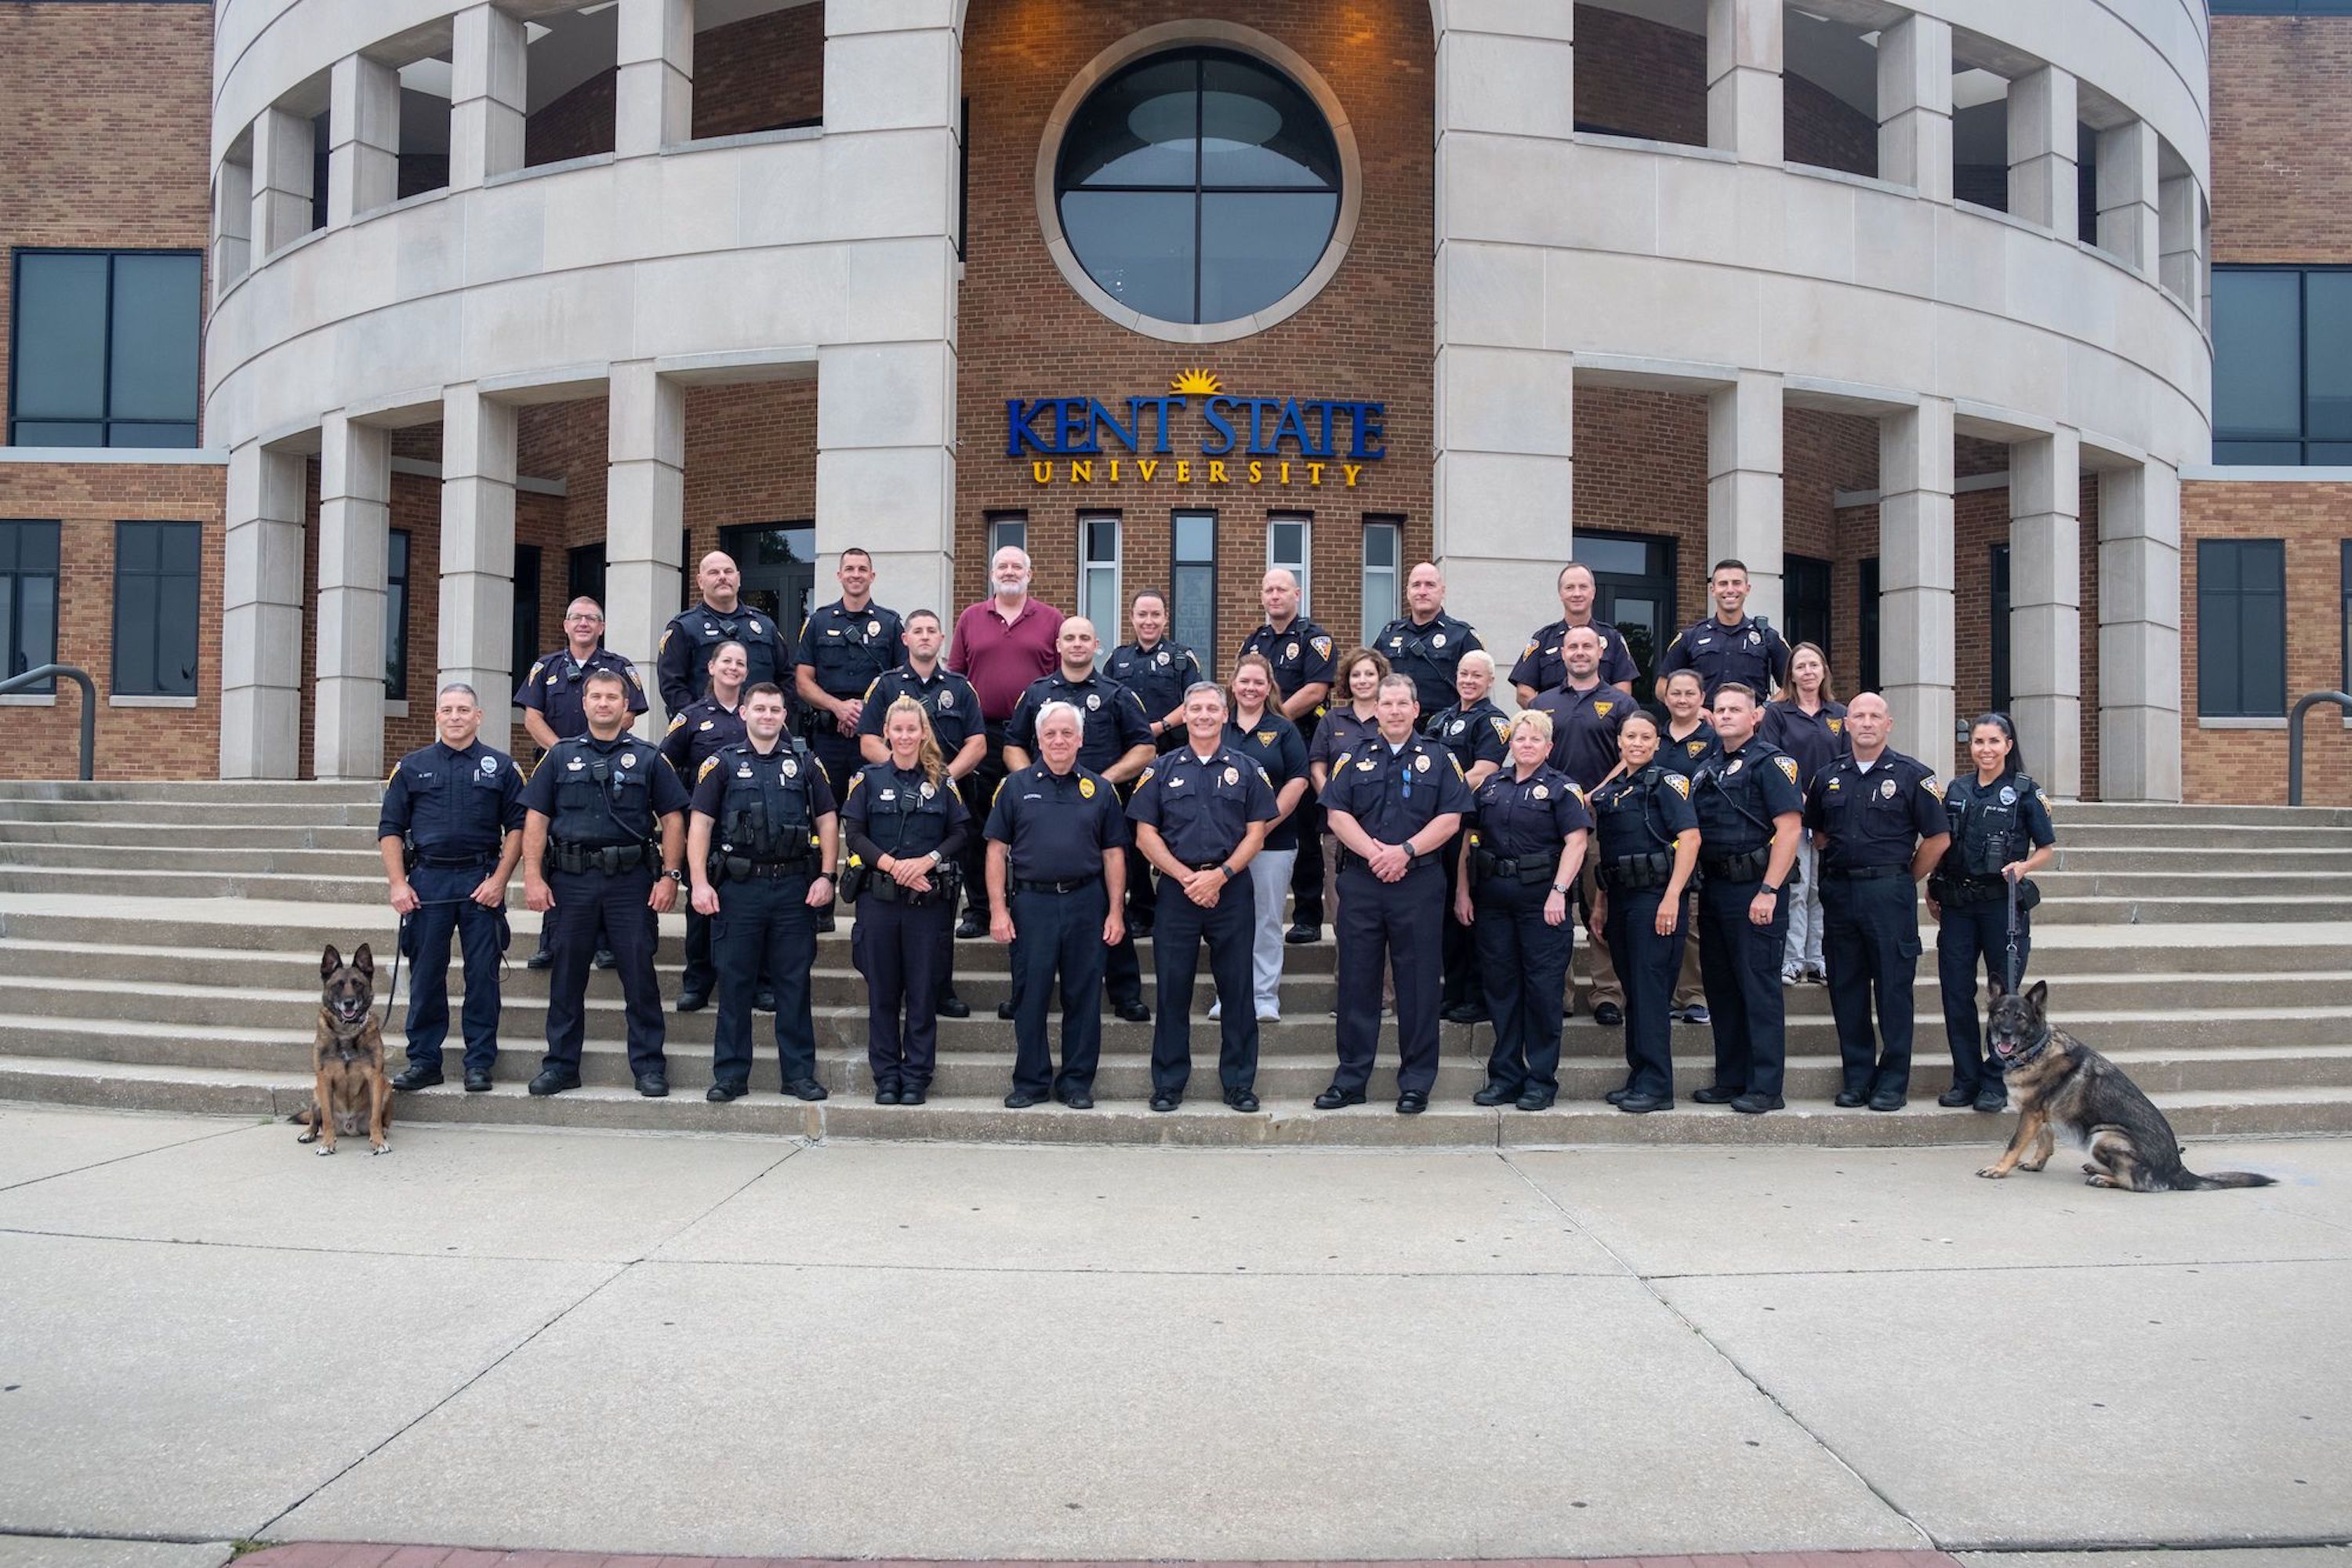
159 946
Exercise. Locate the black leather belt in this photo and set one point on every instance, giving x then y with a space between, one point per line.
450 862
1024 885
1348 857
609 858
1864 873
770 871
1743 865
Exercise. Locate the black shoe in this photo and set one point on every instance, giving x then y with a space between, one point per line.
1642 1104
1957 1096
555 1081
886 1095
1758 1104
1242 1099
1849 1099
1079 1099
653 1084
911 1096
1163 1101
1614 1095
1536 1100
805 1089
1695 1012
765 1002
1333 1097
825 923
720 1093
1887 1099
1005 1011
1412 1102
953 1006
1139 929
1467 1013
970 926
1715 1094
477 1081
604 959
1992 1099
417 1076
693 1001
1496 1094
539 960
1608 1015
1023 1099
1133 1011
1302 933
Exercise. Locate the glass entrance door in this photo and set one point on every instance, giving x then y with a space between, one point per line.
778 566
1633 574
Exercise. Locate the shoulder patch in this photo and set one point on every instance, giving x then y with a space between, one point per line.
1342 762
1577 790
1528 651
536 665
1145 778
677 720
392 775
704 771
1679 784
1930 784
1456 761
1787 765
1502 726
667 633
1322 645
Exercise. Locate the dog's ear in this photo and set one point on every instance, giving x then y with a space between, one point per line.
1995 988
332 961
2039 995
365 962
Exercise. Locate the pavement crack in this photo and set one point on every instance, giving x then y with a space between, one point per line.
134 1154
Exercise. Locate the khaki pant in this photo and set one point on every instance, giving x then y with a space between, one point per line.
1688 992
1595 954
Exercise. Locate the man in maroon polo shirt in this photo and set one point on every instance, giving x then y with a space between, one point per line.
1002 645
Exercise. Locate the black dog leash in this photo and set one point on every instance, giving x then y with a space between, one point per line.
2009 977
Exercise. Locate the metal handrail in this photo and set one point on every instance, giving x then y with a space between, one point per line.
88 706
2294 739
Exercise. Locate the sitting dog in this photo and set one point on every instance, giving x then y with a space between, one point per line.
347 1054
2061 1083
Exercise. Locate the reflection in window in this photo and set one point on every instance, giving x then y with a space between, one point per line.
29 599
1098 598
156 582
395 615
2282 365
1384 542
2241 628
1192 581
1289 547
1198 186
105 350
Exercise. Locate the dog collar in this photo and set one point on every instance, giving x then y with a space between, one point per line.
2024 1057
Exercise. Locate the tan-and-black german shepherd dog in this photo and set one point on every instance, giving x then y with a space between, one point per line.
2063 1085
347 1057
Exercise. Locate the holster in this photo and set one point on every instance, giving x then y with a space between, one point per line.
1638 873
1745 866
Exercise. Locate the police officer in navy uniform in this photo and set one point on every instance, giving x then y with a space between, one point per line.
1159 670
1688 745
451 831
1728 645
1519 875
1646 844
1116 746
953 708
698 733
1426 643
1586 714
549 698
1301 653
756 806
1878 818
845 647
682 661
1750 813
1540 666
1394 805
1201 813
1474 730
905 824
2002 834
601 846
1057 860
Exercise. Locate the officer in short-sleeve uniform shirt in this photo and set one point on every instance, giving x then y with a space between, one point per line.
1477 735
1159 676
1752 653
551 689
698 732
1540 666
1524 826
1740 794
1302 654
846 651
682 661
1427 651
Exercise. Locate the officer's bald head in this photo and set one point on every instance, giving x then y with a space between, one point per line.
1868 721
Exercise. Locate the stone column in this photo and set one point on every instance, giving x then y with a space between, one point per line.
645 515
1743 485
2139 633
2041 175
477 549
487 77
2127 195
1743 79
282 149
363 138
2045 608
2177 206
1915 577
261 616
232 225
1915 105
354 523
654 89
1505 383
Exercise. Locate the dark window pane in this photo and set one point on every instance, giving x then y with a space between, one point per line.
2000 612
2327 356
135 622
1624 557
1194 623
1256 249
158 316
2256 351
60 359
1138 129
134 435
179 548
2330 454
1256 129
36 636
1138 246
29 433
134 547
2259 454
175 639
36 547
1866 624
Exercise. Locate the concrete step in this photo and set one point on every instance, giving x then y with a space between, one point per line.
282 792
195 813
279 835
1201 1121
2128 813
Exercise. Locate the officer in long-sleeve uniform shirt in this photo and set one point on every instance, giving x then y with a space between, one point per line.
1749 815
1426 643
1302 654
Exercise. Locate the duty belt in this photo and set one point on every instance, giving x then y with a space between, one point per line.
1969 889
1028 885
1527 869
609 858
1863 873
1745 866
945 879
1349 858
743 869
445 862
1638 873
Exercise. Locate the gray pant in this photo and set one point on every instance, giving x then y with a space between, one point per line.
1269 875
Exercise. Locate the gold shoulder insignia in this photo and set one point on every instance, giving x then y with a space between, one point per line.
855 780
1502 727
1342 762
1789 767
676 720
869 689
1145 778
664 645
704 771
1264 777
392 775
1457 764
536 665
1322 645
1933 786
1679 784
1577 790
1529 651
805 621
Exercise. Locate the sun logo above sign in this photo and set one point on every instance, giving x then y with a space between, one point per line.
1195 383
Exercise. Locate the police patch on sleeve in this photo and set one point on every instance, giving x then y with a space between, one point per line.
1787 765
1146 777
677 719
1932 786
1679 784
704 771
1322 645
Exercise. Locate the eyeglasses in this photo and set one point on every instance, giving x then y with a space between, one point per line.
584 620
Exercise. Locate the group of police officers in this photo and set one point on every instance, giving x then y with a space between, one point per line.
1762 835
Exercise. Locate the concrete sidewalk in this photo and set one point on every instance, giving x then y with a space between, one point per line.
708 1345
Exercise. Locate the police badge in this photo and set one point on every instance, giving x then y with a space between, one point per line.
2008 794
1886 789
1232 775
1085 788
791 769
628 759
1421 763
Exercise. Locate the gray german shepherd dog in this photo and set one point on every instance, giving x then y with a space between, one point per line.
2061 1084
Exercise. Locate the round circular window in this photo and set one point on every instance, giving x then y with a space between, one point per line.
1200 193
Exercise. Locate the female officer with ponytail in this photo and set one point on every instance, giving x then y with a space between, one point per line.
1648 842
2001 835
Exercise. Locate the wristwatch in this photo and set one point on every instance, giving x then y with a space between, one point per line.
676 874
1229 871
1772 890
1560 888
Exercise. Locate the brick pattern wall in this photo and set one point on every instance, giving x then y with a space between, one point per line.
757 74
2281 144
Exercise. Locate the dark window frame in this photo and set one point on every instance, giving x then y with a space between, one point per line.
152 682
2303 441
1178 601
395 622
2213 606
12 598
1813 570
1999 686
1866 640
105 421
2344 620
526 608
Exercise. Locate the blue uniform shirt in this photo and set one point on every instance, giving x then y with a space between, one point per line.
1302 654
1392 794
1874 818
1058 825
1584 726
1738 795
1518 818
1541 667
849 650
1340 731
452 803
900 813
1992 824
1114 721
1479 733
946 697
790 766
696 733
682 662
1639 813
638 790
1815 740
1158 676
1428 651
553 688
1690 753
1751 653
1203 809
1275 744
